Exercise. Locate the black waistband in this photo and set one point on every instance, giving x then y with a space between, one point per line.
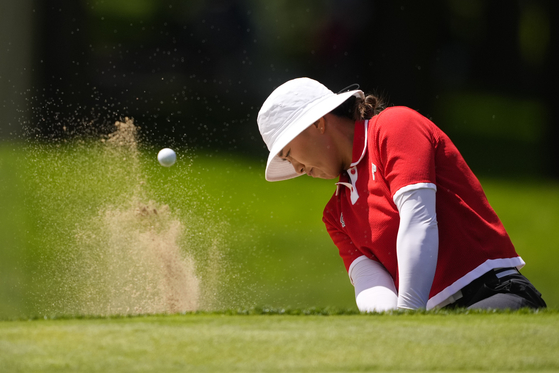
494 274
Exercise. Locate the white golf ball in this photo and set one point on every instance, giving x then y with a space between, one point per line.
167 157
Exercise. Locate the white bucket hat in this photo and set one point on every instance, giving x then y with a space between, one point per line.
288 111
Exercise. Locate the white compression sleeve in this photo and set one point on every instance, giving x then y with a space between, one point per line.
417 246
374 287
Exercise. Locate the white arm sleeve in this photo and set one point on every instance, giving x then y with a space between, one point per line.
374 287
417 246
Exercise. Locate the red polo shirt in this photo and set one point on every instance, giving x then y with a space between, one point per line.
397 149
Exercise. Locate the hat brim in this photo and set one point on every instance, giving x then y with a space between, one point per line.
278 169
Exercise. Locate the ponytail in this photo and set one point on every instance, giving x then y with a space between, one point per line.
369 107
356 108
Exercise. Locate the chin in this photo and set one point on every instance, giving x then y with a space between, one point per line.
326 177
318 174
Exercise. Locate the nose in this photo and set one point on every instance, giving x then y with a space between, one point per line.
299 167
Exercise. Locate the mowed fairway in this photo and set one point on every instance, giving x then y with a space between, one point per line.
278 343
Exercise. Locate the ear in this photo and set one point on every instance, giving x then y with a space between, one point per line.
321 125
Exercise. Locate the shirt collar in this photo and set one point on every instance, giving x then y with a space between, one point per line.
349 177
359 142
359 147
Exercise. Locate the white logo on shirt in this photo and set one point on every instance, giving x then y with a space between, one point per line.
353 178
342 220
373 169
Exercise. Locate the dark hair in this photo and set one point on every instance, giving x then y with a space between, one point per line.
356 108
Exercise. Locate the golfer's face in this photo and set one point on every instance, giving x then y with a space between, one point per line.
313 153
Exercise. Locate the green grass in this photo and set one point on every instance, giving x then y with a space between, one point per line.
270 248
412 342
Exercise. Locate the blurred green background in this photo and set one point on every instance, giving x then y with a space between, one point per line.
271 244
193 75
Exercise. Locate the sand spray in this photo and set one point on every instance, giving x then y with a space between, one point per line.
125 253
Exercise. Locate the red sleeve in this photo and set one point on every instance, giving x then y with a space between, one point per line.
405 144
346 247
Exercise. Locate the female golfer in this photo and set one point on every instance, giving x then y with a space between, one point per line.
410 219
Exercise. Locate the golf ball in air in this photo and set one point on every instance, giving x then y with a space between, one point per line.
167 157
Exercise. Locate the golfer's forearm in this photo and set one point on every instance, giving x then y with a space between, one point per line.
417 247
374 287
376 299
